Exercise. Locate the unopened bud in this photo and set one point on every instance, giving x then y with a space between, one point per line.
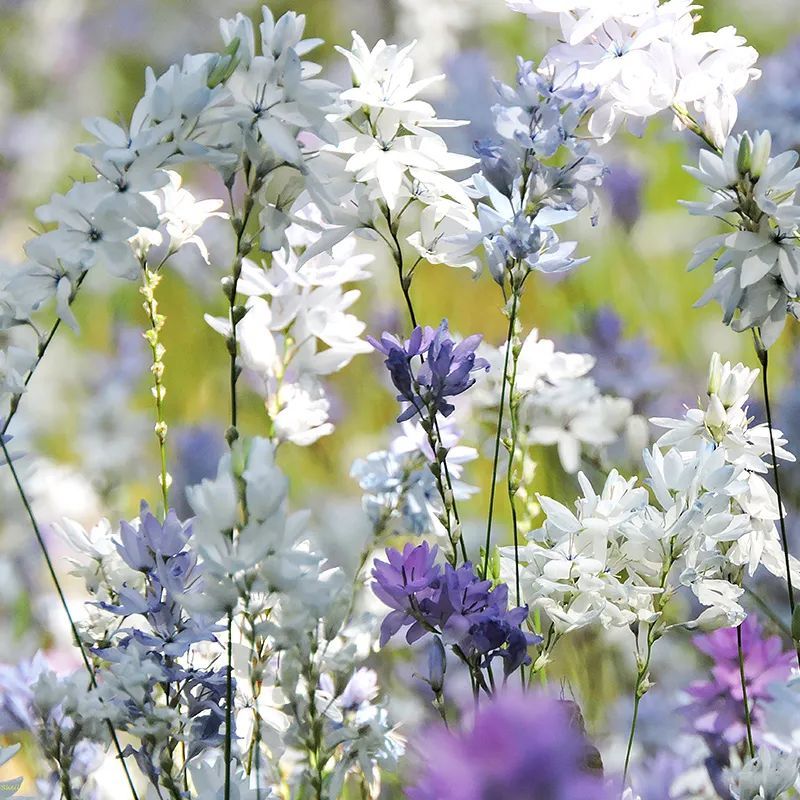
437 664
744 157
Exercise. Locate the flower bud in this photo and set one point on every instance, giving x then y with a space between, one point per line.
744 157
437 664
761 150
714 374
715 414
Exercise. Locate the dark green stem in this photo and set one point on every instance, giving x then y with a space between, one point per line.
512 319
748 724
763 357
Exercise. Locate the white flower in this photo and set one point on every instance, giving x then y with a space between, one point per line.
766 776
15 362
446 235
645 57
181 215
573 566
385 138
93 228
301 413
559 405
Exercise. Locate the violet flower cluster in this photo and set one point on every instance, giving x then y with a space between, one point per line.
429 367
452 602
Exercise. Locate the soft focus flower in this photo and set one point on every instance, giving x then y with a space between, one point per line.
528 747
716 708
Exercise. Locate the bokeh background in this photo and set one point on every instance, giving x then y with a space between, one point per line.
86 423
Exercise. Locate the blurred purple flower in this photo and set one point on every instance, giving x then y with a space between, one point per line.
624 367
470 96
716 710
197 451
623 186
521 746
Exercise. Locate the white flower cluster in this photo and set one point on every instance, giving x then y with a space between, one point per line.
298 613
558 402
295 330
644 57
756 268
387 174
621 555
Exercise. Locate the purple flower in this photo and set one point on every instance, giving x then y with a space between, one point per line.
625 367
521 746
401 582
470 616
498 166
717 710
623 184
444 368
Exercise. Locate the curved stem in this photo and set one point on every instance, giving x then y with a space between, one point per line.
748 724
512 319
63 600
763 357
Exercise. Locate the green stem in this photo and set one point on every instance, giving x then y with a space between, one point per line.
512 319
63 600
405 286
748 724
763 357
511 486
639 690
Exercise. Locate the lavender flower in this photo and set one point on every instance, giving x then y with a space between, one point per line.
624 367
623 185
445 368
401 582
471 617
521 746
716 711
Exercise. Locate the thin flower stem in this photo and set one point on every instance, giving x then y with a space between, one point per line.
511 487
405 286
63 600
243 247
768 612
153 338
747 721
763 357
639 691
44 344
512 319
636 700
229 708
